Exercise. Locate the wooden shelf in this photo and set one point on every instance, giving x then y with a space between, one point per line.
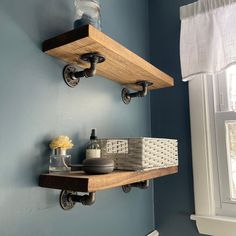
79 181
121 65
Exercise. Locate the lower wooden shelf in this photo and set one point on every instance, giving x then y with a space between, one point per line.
80 182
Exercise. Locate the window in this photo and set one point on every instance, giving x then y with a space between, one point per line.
207 46
213 131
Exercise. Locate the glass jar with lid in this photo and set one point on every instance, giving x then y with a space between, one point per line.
59 161
87 12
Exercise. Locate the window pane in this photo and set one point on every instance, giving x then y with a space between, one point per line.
231 86
231 154
225 90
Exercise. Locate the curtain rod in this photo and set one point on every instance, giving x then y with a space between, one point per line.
202 6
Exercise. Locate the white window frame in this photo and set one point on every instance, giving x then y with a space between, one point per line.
206 187
223 113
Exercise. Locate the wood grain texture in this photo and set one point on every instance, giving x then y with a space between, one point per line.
79 181
121 65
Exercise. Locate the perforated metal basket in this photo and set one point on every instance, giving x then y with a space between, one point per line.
140 153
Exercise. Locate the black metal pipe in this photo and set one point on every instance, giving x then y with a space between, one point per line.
141 93
134 95
84 199
144 92
93 59
90 72
142 184
77 74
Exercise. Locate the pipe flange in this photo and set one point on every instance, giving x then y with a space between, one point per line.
126 188
68 72
144 83
66 202
125 96
92 57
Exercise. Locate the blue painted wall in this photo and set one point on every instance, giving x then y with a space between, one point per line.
174 201
36 105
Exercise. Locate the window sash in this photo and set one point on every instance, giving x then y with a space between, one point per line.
223 112
223 162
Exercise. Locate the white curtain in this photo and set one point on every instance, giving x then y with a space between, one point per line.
208 37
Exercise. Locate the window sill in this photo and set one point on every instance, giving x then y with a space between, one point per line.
215 225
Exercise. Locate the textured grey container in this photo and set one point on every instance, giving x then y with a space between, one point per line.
140 153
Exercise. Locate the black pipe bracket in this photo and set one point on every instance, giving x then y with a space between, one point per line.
68 199
142 185
72 75
127 95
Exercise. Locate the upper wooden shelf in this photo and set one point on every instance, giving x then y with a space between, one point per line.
121 65
79 181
